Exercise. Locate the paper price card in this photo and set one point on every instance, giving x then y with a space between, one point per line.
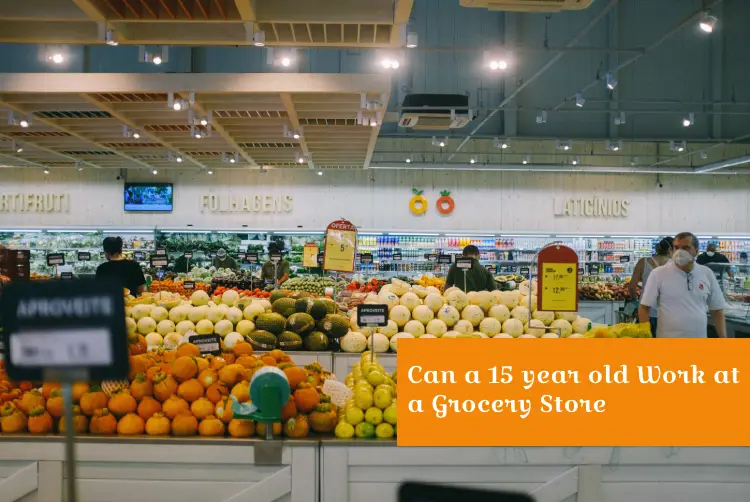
337 391
558 279
340 247
310 255
583 392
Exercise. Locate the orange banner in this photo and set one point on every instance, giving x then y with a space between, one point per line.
587 392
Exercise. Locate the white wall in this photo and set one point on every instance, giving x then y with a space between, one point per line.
496 201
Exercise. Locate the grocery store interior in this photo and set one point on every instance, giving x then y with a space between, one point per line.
229 142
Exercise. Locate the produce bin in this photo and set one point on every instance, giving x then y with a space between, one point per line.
342 363
189 469
371 471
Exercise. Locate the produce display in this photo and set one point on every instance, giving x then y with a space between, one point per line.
604 290
316 285
176 286
177 393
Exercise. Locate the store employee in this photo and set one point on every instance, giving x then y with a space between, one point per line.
282 268
223 260
126 272
684 292
478 278
716 261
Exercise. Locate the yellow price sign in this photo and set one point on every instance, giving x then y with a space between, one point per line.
340 247
559 287
310 255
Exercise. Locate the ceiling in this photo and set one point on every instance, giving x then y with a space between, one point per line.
298 23
92 120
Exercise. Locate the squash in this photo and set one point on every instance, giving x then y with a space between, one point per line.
211 426
131 425
103 422
158 425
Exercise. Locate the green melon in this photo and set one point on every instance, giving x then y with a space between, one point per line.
290 341
300 323
302 304
276 294
284 306
333 325
317 309
316 341
273 323
262 340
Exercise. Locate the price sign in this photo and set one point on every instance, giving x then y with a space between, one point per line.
431 256
445 259
396 257
66 276
464 263
625 259
241 256
207 344
365 258
491 268
593 269
188 255
337 391
188 285
524 271
580 271
558 279
372 315
159 261
161 252
310 255
55 330
55 259
84 256
251 257
139 255
274 256
340 246
320 259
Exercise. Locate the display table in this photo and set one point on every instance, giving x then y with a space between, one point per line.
166 469
372 472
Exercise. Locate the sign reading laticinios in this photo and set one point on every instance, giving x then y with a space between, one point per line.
258 203
592 207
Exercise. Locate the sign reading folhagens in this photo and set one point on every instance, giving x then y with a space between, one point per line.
251 203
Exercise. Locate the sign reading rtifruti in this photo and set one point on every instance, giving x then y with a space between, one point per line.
592 207
34 202
256 203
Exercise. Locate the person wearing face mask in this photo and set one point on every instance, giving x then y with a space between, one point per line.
683 291
717 262
743 268
643 270
223 260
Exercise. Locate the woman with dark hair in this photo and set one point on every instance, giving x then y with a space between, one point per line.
127 272
643 269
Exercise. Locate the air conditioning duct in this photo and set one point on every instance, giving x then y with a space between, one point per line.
439 112
528 5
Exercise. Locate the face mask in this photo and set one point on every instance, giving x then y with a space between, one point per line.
682 257
710 253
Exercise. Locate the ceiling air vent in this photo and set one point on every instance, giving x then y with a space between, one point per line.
435 111
84 153
74 115
528 5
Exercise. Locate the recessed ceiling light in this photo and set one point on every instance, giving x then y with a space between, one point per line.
408 160
259 38
295 135
320 173
24 123
707 23
136 135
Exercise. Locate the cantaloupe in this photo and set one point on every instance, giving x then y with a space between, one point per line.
521 313
233 315
179 314
184 326
410 300
581 325
253 310
451 334
509 299
204 327
490 326
457 299
420 291
568 316
423 314
232 339
564 326
513 327
141 311
389 330
199 298
416 328
545 316
195 314
154 340
393 343
449 315
535 327
379 341
434 302
483 299
499 312
172 340
463 326
130 325
165 327
399 287
245 327
214 314
473 314
400 315
158 314
353 341
146 325
503 336
389 299
436 327
230 297
223 327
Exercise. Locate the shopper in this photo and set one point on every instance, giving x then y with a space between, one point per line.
477 278
127 272
684 292
223 260
282 268
743 268
643 270
717 262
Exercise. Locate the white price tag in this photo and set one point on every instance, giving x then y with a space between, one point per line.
371 319
338 392
65 347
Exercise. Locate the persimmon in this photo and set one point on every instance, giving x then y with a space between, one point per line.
141 387
279 355
48 387
217 363
231 374
164 386
122 403
289 410
260 429
30 400
55 404
223 410
297 427
94 399
153 370
247 362
139 364
148 407
190 390
79 389
295 375
202 363
269 360
80 422
184 424
137 344
306 397
103 422
242 349
12 420
131 425
40 422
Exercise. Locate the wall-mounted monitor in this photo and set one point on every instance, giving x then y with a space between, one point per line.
149 197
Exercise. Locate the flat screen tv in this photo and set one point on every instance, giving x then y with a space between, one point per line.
148 197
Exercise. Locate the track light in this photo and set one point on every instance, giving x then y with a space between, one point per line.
689 120
156 60
707 23
580 100
285 61
620 119
300 159
677 146
178 159
204 122
500 143
575 161
526 159
57 58
259 38
25 122
542 117
408 160
439 142
564 145
611 81
154 172
178 104
498 64
472 160
614 146
111 37
390 64
46 171
412 40
19 149
209 172
16 147
295 135
233 159
320 173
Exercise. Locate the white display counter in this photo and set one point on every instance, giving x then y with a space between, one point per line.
599 312
166 469
372 472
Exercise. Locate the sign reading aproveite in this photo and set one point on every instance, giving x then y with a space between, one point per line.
365 258
275 256
55 259
139 255
592 207
372 315
188 255
310 255
558 279
84 256
160 252
207 344
52 328
340 246
625 258
431 256
464 263
396 257
66 276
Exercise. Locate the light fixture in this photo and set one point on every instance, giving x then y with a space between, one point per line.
198 134
500 143
16 147
580 100
178 159
677 146
156 60
620 119
373 122
439 142
57 58
472 160
611 81
634 161
154 172
390 64
412 40
46 171
542 117
259 38
232 161
204 122
408 160
498 64
25 122
442 144
136 135
575 161
707 23
19 149
320 173
111 37
285 61
564 145
178 104
526 159
295 135
704 155
689 120
614 146
209 172
300 159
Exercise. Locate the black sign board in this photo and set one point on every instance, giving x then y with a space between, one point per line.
84 256
464 263
593 268
188 285
139 255
365 258
251 257
66 275
491 268
419 492
274 256
161 252
55 259
625 259
320 259
159 261
54 331
241 256
445 259
188 255
525 271
396 257
372 315
580 270
207 344
431 256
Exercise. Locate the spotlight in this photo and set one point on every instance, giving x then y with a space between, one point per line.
614 146
178 159
204 122
542 117
80 169
412 40
154 172
259 38
580 100
620 119
156 60
408 160
57 58
285 61
500 143
232 160
564 145
390 64
111 37
46 171
442 144
178 104
209 171
689 120
498 65
373 122
677 146
439 142
300 160
136 135
526 160
575 161
320 173
707 23
611 81
198 135
24 123
19 149
472 160
295 135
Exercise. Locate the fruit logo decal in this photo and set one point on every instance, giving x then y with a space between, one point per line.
445 204
418 204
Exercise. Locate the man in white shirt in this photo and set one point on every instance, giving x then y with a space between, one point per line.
684 291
